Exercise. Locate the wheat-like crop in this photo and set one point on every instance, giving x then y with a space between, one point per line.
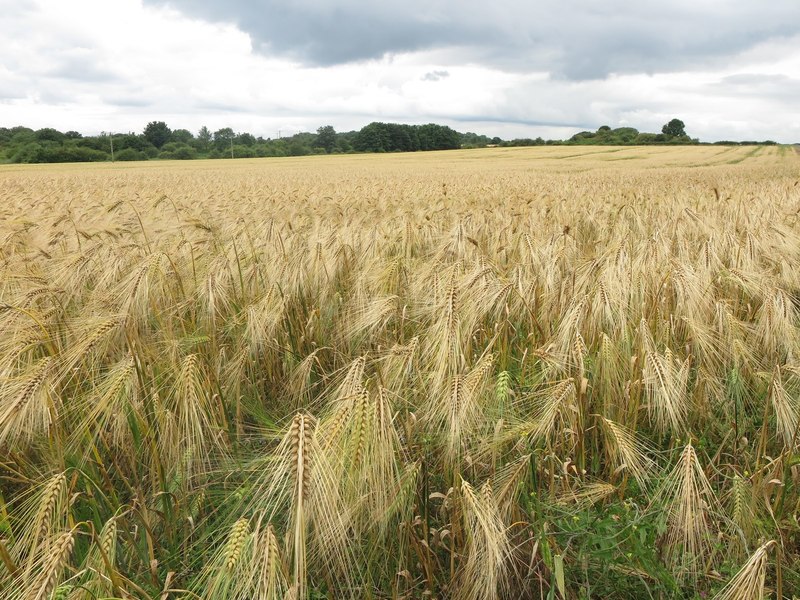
482 374
748 583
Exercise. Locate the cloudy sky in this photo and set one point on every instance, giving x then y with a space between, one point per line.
730 69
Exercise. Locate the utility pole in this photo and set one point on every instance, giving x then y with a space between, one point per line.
231 147
111 141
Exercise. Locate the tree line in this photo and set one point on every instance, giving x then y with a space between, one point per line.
159 141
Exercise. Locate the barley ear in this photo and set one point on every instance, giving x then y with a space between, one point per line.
748 583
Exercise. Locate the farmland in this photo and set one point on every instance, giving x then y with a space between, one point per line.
538 373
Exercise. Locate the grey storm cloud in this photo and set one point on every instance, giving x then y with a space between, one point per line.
572 39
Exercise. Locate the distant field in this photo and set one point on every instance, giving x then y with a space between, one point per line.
546 157
552 372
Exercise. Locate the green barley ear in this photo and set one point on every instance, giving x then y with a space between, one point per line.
63 592
228 565
745 511
503 389
232 551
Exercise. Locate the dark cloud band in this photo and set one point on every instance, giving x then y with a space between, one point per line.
577 39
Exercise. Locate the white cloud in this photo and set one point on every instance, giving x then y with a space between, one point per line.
95 66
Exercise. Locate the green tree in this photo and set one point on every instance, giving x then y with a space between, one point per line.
372 138
21 135
245 139
183 136
326 138
48 134
130 154
297 148
675 128
157 133
242 151
438 137
130 140
94 142
204 138
223 138
401 138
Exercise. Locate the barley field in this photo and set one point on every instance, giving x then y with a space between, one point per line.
557 372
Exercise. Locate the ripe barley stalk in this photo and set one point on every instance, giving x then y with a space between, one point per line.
167 332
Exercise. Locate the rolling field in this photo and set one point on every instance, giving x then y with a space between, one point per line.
561 372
